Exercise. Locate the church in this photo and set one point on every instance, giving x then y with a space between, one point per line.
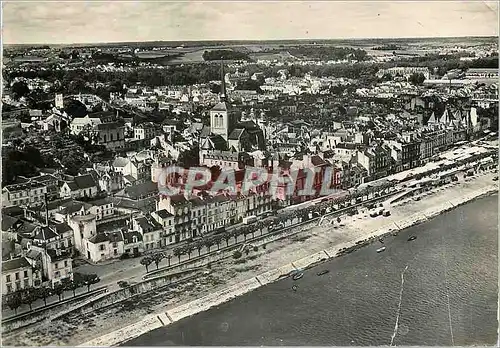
227 141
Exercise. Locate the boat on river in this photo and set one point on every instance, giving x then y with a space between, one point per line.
298 276
379 250
325 271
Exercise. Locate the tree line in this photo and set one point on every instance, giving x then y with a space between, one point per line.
224 55
280 220
28 296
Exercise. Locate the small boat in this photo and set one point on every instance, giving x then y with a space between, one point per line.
322 272
298 276
379 250
412 238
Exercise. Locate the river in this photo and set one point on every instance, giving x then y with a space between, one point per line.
448 296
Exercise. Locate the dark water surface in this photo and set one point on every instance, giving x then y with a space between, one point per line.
449 294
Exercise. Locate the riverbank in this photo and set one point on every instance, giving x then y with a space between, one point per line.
298 253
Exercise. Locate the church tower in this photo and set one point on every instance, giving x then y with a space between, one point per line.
223 119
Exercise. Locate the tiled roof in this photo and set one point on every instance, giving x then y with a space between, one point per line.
163 214
99 202
14 264
120 162
222 106
85 181
46 233
236 134
8 222
141 190
128 237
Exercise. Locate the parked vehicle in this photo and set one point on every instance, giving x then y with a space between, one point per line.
249 219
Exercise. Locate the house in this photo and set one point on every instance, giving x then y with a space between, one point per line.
81 186
51 182
81 123
56 236
145 131
102 208
57 265
55 122
105 246
25 194
153 235
180 208
132 243
164 218
108 179
110 134
52 249
69 208
136 196
18 274
139 170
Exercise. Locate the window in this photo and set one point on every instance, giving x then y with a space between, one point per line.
17 275
7 278
9 288
101 247
115 244
115 251
25 274
26 282
65 263
57 274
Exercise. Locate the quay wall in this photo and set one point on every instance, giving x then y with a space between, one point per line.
132 331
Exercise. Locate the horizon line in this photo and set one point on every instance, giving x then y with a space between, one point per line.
251 40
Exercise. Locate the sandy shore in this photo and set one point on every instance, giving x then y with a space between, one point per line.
231 278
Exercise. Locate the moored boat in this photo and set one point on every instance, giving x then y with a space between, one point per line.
379 250
325 271
412 238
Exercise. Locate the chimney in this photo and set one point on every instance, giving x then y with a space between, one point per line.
46 211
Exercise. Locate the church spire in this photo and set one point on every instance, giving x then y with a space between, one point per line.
223 93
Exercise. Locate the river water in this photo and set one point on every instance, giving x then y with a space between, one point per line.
448 296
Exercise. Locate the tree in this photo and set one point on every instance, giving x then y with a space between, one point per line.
146 261
59 290
168 257
20 89
227 237
417 78
157 258
90 279
75 108
235 234
237 254
29 296
189 250
217 240
199 245
14 301
209 243
43 293
338 219
72 284
245 232
178 252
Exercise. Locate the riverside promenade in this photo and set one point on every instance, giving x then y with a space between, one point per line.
359 228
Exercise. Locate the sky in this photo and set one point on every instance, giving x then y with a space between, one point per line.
56 22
